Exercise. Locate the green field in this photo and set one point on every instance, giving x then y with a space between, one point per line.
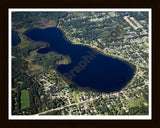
135 102
24 99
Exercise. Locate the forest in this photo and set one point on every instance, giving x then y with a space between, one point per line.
23 81
25 56
30 19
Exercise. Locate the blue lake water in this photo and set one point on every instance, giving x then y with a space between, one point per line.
88 68
15 38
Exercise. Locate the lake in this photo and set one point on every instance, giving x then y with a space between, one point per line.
88 68
15 38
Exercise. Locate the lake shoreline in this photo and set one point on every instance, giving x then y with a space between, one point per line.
110 55
99 51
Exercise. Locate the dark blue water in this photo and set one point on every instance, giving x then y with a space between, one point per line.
15 38
88 68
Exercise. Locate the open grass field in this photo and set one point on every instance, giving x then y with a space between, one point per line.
75 95
24 99
135 102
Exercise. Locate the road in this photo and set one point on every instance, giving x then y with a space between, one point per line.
59 108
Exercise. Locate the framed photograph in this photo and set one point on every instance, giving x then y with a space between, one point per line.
80 63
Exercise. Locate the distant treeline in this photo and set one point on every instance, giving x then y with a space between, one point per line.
29 19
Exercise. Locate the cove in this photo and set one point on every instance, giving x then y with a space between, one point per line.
15 38
88 68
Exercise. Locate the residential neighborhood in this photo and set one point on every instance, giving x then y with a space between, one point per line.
123 35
